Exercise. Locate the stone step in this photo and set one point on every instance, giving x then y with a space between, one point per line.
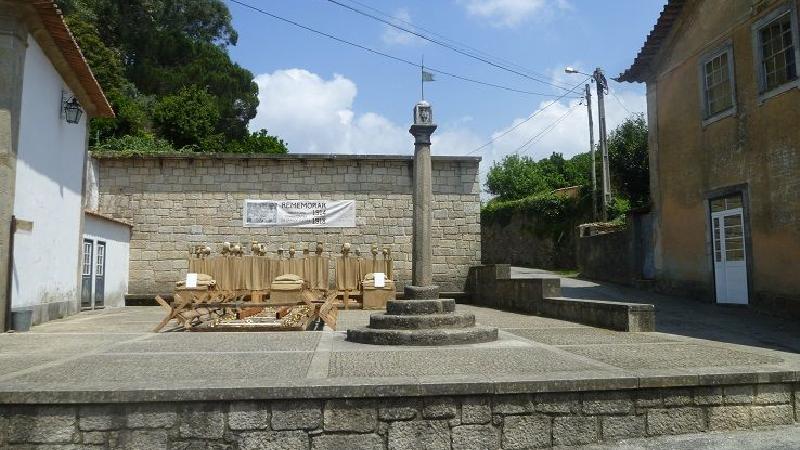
444 336
421 322
416 307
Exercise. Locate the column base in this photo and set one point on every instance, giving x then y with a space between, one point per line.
421 292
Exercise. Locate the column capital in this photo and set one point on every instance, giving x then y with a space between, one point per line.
422 133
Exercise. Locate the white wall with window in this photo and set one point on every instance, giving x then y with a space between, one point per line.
104 262
50 163
776 51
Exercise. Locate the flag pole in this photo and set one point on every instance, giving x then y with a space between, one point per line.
422 77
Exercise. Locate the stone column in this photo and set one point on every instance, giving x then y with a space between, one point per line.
422 318
422 254
13 43
422 287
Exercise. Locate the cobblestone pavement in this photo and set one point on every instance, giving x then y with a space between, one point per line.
84 379
680 316
114 347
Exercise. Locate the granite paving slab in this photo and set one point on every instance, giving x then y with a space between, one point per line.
586 335
14 363
96 326
169 370
669 356
354 318
40 344
112 354
450 361
291 341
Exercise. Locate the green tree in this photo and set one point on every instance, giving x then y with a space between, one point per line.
144 50
518 177
628 161
188 118
514 178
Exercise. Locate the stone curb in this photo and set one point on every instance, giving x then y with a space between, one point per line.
390 387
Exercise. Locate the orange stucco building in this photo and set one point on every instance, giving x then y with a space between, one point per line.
723 105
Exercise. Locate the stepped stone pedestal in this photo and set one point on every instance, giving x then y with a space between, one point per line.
422 318
427 321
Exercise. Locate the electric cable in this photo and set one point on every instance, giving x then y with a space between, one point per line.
393 57
445 45
535 113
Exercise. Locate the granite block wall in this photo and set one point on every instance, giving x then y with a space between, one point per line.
178 201
509 421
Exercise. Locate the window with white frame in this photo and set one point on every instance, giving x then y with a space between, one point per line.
776 40
718 93
100 260
86 266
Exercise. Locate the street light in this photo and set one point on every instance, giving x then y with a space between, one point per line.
569 69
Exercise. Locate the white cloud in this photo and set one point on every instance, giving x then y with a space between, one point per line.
512 13
393 36
315 115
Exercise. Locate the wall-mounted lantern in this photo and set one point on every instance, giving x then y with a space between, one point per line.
71 108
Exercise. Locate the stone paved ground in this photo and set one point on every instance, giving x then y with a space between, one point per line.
475 396
114 349
724 323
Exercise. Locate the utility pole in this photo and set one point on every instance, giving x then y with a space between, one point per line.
591 148
602 85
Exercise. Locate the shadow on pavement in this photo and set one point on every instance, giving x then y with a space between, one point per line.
691 318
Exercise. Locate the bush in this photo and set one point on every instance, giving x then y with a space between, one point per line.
143 144
618 208
258 142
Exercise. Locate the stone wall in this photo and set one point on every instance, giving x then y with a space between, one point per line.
517 241
509 421
175 202
623 255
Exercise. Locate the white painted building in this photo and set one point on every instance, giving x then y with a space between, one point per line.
104 261
43 155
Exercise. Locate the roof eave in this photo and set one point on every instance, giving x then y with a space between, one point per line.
642 64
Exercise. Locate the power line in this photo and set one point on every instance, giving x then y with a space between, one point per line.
535 113
452 41
621 103
445 45
386 55
535 139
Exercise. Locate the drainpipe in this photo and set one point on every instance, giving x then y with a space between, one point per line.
7 325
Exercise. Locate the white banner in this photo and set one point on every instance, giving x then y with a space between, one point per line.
300 213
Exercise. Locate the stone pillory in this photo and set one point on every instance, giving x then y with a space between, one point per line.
422 318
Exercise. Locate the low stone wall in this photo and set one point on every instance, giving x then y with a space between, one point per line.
516 241
623 255
609 257
177 201
491 285
483 421
613 315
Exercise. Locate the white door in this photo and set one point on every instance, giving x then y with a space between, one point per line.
730 257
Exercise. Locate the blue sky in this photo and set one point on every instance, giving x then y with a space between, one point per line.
325 97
